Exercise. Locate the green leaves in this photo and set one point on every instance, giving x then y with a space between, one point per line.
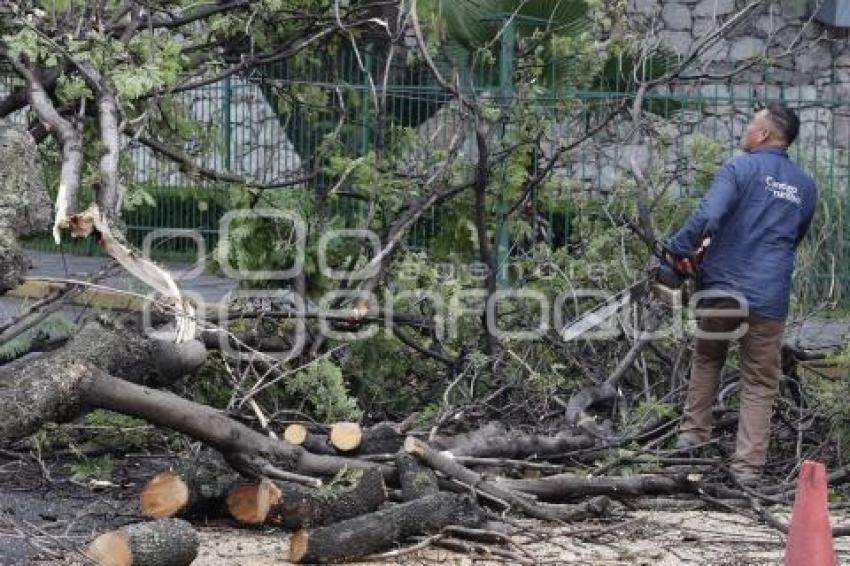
148 65
321 386
27 44
705 155
70 88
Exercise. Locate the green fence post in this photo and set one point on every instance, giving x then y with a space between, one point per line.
367 91
506 79
226 121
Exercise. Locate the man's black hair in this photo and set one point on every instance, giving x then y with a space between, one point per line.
786 119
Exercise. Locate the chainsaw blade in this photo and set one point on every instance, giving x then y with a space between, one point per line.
603 312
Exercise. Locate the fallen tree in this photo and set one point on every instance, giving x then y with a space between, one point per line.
115 364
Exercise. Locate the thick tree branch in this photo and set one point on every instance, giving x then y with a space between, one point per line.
69 139
108 197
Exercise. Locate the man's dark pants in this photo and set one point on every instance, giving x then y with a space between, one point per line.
760 353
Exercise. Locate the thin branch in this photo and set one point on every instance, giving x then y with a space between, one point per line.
207 173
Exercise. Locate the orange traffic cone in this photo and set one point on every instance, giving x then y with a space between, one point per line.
810 536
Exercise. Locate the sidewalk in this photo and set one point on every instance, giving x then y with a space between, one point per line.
56 266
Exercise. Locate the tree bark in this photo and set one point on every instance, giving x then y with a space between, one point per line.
53 388
167 542
371 533
493 441
196 490
566 487
24 203
447 465
301 506
416 481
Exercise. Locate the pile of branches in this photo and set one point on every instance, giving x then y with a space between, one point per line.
346 492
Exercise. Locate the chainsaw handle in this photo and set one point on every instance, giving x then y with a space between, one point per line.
687 265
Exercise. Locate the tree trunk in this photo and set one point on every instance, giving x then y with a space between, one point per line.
52 389
61 387
376 531
24 204
299 435
416 481
301 506
166 542
345 437
566 487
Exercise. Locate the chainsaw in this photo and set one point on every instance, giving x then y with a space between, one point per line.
663 282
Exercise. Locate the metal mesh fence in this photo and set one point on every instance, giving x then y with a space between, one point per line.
265 126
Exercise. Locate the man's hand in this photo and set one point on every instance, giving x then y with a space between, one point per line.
688 265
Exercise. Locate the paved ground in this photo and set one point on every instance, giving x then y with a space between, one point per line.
211 287
47 265
641 538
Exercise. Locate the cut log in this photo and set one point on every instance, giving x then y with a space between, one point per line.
300 506
493 441
367 534
299 435
345 436
165 495
416 481
166 542
383 438
249 502
566 487
196 490
295 434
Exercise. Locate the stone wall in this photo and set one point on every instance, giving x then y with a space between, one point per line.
801 62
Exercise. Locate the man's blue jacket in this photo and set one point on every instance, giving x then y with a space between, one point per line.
756 212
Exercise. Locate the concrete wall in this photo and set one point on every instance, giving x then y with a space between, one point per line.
259 147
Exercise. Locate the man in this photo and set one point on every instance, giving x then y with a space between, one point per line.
755 214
